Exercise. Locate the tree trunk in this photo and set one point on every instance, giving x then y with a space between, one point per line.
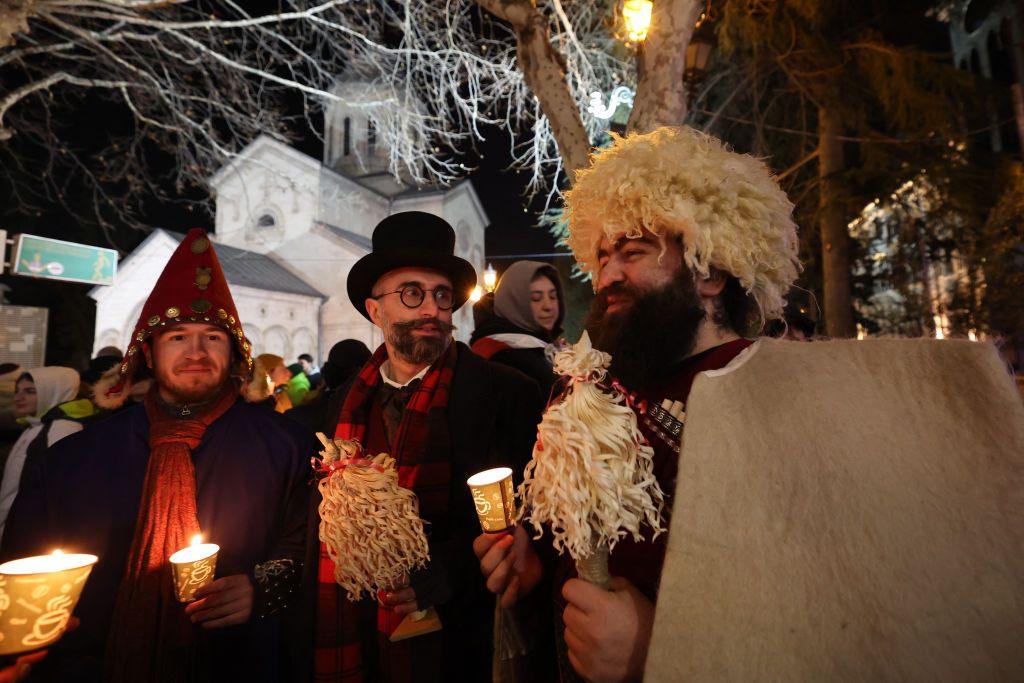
660 96
544 71
14 16
835 238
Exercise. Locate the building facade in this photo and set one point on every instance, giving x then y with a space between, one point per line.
288 229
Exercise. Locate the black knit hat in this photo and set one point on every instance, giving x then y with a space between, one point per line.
411 239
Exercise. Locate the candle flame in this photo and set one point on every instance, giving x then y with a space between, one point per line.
197 539
58 551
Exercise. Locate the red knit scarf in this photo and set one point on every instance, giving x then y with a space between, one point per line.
150 637
339 655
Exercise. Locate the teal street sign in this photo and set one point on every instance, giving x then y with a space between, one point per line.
59 260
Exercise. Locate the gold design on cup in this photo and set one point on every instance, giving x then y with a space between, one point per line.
37 597
494 499
193 568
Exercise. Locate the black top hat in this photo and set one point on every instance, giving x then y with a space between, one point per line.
410 239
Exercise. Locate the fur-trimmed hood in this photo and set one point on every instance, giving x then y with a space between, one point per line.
101 390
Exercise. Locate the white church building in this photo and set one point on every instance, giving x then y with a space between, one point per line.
288 229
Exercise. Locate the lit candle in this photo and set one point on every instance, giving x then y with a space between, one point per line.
37 596
193 567
494 499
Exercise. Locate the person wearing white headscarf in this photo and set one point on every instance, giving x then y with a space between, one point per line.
525 322
37 393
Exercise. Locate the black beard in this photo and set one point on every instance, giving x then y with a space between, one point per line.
419 350
658 328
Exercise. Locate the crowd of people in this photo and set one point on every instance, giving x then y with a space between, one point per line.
187 433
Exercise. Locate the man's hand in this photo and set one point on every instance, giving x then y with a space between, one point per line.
510 564
225 602
402 599
21 667
607 632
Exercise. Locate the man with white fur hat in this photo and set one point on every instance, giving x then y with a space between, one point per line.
691 248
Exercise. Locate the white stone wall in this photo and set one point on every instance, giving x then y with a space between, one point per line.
279 323
118 306
267 197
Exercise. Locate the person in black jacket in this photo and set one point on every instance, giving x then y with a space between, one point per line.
444 414
523 322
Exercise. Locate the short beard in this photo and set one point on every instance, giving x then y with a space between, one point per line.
414 349
659 328
190 395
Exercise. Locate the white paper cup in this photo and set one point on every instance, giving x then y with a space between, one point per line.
494 499
37 596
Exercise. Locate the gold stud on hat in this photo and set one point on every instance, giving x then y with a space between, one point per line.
172 312
200 245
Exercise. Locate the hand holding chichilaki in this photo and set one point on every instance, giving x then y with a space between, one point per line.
591 479
372 530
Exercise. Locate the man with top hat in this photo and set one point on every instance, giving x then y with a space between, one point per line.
691 247
444 414
192 459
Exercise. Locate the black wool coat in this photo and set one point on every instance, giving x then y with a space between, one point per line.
493 412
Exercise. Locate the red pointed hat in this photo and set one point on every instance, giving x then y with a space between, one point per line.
191 289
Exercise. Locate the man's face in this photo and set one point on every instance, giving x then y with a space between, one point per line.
647 310
305 364
25 399
628 269
417 334
191 361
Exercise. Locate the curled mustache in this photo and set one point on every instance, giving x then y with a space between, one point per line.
407 325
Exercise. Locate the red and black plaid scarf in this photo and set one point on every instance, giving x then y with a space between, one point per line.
341 625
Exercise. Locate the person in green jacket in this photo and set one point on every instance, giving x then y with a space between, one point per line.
298 386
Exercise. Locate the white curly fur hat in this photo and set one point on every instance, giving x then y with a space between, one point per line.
729 210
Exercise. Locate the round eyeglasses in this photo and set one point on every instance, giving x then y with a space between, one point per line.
412 296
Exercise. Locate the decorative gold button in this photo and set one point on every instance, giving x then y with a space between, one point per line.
231 319
222 314
154 321
141 336
200 306
203 278
172 312
200 245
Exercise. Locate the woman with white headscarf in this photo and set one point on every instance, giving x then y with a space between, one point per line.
525 323
37 393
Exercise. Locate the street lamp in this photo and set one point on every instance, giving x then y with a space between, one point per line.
490 278
636 14
698 52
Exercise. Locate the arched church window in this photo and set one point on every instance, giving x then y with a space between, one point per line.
266 221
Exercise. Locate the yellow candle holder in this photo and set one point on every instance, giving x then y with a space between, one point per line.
193 567
494 499
37 596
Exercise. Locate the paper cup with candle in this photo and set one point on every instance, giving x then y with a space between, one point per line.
193 568
494 499
37 596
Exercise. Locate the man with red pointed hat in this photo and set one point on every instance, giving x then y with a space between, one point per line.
191 459
444 414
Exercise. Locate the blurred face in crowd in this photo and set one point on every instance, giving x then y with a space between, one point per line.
280 375
544 302
306 365
191 361
413 307
25 399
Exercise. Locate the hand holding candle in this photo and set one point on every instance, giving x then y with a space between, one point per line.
193 567
37 596
494 499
